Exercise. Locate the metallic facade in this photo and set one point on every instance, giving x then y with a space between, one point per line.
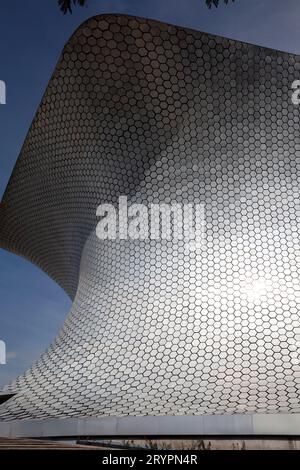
163 114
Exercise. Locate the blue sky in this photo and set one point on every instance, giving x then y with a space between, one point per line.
32 34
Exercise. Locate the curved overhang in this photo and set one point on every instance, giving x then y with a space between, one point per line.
157 112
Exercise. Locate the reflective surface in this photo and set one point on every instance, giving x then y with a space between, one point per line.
162 114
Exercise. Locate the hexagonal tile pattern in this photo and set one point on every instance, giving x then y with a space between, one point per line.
161 114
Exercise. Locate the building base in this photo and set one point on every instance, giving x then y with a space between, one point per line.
137 426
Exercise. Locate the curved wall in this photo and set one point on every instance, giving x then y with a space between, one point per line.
162 113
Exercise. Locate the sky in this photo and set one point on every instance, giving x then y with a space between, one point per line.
32 35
